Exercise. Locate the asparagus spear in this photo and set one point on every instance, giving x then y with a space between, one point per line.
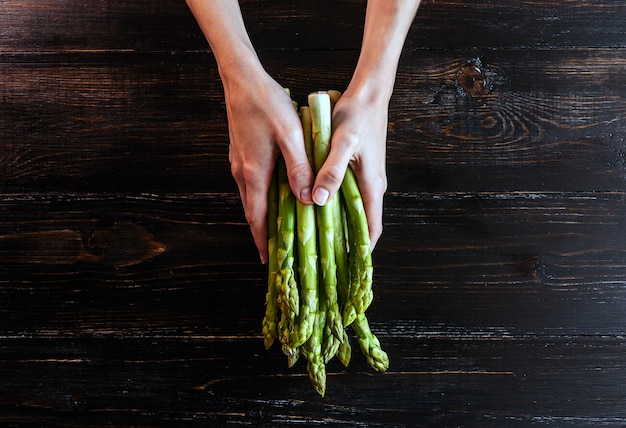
312 350
349 311
271 305
307 250
319 104
287 291
344 352
315 328
341 257
286 326
362 296
370 345
334 97
341 250
330 341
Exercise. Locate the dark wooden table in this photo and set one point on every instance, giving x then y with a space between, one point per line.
130 290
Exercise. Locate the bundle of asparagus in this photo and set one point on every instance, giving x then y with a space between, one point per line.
320 265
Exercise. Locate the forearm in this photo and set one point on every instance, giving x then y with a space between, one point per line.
387 23
222 25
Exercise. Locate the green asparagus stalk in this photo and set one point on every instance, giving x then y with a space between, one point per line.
286 327
286 285
290 325
319 103
334 97
271 317
307 250
308 310
370 345
341 256
344 352
349 311
330 341
341 249
362 296
312 350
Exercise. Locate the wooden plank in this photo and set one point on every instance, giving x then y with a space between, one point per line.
474 381
164 25
73 26
555 121
132 293
112 121
168 262
453 24
534 122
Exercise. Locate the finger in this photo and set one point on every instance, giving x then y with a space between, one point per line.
256 213
373 187
255 208
253 192
299 171
330 176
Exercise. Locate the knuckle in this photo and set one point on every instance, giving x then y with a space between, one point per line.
299 170
248 174
292 136
254 217
334 174
349 140
252 220
288 138
236 170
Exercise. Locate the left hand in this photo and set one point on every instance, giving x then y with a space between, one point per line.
359 139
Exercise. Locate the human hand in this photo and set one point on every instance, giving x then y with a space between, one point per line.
360 115
262 124
359 140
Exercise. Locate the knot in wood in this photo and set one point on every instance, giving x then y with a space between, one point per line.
471 79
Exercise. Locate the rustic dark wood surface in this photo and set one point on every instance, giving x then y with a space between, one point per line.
130 291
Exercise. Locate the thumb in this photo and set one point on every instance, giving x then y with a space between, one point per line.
330 176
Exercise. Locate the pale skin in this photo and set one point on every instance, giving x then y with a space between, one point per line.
263 123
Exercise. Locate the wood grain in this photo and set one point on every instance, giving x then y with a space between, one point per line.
556 120
166 25
131 294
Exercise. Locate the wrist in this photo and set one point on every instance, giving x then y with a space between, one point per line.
375 73
371 88
238 64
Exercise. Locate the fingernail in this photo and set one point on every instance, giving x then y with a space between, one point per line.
263 260
320 196
305 195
